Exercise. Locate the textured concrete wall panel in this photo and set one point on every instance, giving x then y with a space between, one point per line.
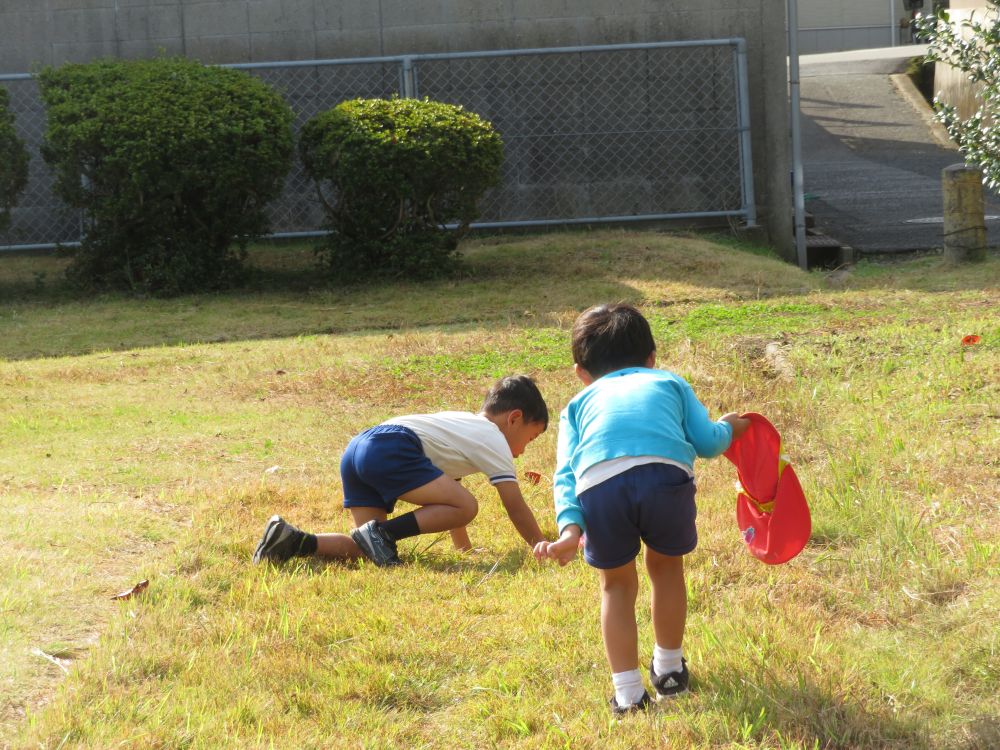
522 9
347 16
77 52
150 22
225 18
21 6
404 39
397 13
547 32
486 35
331 45
282 45
287 15
55 5
94 27
219 49
470 11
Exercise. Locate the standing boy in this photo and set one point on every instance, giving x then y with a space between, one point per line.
419 459
626 450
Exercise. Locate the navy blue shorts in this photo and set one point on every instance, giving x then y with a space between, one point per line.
382 463
651 502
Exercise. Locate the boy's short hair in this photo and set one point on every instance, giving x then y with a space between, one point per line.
517 392
611 337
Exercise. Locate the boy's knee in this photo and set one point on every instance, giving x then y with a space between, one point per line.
664 564
620 585
469 509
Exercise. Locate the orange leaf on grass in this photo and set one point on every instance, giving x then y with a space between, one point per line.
970 340
135 590
532 477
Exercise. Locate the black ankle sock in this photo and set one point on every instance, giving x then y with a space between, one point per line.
308 545
401 527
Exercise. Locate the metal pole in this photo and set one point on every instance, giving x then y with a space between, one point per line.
743 124
892 23
793 81
407 78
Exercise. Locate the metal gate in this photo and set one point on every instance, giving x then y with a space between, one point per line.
608 133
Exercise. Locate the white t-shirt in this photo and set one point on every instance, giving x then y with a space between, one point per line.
461 443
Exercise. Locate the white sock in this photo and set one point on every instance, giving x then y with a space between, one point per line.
666 660
628 687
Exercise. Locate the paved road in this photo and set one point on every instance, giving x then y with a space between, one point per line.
871 161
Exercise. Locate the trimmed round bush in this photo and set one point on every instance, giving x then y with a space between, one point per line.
173 163
13 162
392 174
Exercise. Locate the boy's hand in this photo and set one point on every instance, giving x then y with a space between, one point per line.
564 549
738 423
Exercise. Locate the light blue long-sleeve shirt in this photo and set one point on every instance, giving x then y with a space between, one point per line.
637 411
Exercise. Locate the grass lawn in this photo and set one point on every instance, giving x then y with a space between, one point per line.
151 439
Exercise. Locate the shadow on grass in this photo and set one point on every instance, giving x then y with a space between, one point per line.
487 564
529 281
803 710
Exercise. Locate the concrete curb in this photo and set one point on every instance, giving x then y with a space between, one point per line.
909 91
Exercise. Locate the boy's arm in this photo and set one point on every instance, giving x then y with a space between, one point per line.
519 512
708 438
568 510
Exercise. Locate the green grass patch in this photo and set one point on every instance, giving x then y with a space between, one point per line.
151 439
771 318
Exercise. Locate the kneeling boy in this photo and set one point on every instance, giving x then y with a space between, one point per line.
420 458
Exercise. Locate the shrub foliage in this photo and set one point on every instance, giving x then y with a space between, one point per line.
392 174
13 162
173 163
973 47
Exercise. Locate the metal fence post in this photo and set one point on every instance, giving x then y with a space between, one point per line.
743 125
407 73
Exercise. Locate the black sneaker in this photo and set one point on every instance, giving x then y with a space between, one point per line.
642 705
671 684
280 542
376 545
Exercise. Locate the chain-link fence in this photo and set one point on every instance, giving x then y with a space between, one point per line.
591 134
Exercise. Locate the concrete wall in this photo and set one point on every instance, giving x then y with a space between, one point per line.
833 26
951 84
50 32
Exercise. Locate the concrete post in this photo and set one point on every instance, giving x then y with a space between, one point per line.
964 220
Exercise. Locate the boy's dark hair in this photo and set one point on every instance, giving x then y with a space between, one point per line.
611 337
517 392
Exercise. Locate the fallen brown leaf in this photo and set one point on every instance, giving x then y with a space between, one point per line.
135 590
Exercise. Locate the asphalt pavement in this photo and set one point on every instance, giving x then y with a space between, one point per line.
872 155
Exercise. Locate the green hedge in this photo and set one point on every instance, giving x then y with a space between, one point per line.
391 174
173 163
13 162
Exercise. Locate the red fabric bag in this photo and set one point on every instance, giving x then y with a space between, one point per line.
771 510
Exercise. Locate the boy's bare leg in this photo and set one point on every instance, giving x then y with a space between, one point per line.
445 505
341 546
460 539
668 605
619 589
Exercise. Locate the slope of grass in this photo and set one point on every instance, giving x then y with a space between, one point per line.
152 439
